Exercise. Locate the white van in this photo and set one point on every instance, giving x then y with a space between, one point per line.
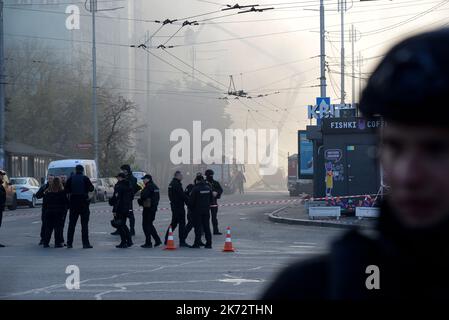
67 168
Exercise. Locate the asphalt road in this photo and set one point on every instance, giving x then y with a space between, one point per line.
29 271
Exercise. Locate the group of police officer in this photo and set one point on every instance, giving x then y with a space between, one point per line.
200 198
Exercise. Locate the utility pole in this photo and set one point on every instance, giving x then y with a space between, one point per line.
193 62
148 40
2 91
322 52
353 65
360 74
342 8
93 8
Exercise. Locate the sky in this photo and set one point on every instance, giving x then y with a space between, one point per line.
294 26
274 52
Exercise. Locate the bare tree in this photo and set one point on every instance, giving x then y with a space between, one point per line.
52 100
117 126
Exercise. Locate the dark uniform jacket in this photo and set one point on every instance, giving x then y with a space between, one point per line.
176 194
188 192
133 183
200 199
40 192
215 186
55 202
151 191
2 198
189 189
412 264
79 186
122 198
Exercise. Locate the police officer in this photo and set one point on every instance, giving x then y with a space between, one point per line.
149 194
78 187
40 195
126 169
200 201
177 199
217 190
190 221
2 199
122 199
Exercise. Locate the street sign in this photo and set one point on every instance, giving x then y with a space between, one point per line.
84 146
323 104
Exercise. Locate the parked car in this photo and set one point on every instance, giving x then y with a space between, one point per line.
67 168
105 188
11 196
26 189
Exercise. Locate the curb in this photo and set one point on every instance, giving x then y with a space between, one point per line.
273 217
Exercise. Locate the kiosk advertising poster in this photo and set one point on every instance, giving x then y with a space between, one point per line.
305 154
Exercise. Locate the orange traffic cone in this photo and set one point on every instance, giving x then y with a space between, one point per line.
170 240
228 242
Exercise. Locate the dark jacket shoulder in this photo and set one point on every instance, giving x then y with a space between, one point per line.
123 194
304 280
340 274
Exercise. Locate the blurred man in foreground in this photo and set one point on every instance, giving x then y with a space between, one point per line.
408 256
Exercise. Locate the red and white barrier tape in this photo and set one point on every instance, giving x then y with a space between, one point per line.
235 204
343 197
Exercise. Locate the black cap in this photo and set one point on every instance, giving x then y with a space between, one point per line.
126 167
121 175
79 168
411 83
209 172
147 176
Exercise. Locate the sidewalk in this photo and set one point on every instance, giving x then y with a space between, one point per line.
297 214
